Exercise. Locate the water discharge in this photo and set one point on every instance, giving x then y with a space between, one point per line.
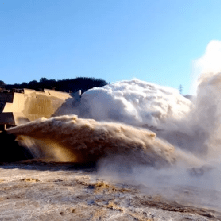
152 124
69 138
138 105
142 133
150 132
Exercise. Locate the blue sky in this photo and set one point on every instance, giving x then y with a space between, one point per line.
152 40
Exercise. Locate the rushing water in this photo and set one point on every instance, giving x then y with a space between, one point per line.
138 128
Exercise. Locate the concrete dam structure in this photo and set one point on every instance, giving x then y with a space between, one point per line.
24 106
28 105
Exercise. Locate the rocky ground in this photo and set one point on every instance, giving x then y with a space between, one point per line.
40 190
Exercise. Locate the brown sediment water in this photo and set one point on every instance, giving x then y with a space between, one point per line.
182 149
69 138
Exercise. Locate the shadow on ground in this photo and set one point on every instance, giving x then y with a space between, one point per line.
43 165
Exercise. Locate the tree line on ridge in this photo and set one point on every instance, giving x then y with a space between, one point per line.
67 85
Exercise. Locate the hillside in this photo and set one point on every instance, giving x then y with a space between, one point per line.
67 85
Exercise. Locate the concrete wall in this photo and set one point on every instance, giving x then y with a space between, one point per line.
30 105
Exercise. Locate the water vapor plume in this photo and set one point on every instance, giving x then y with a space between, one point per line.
207 65
132 123
199 130
134 102
210 61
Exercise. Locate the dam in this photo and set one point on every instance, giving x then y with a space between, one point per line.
25 105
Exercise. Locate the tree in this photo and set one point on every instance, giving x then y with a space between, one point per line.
80 83
42 80
2 83
33 82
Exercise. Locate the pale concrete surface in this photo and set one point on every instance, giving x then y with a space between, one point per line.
17 108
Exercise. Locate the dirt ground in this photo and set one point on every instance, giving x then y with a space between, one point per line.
37 190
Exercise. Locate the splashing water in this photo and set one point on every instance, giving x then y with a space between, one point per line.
150 110
85 140
139 123
159 128
142 105
134 102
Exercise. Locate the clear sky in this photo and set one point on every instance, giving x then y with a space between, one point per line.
152 40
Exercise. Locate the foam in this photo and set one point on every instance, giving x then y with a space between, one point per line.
134 102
